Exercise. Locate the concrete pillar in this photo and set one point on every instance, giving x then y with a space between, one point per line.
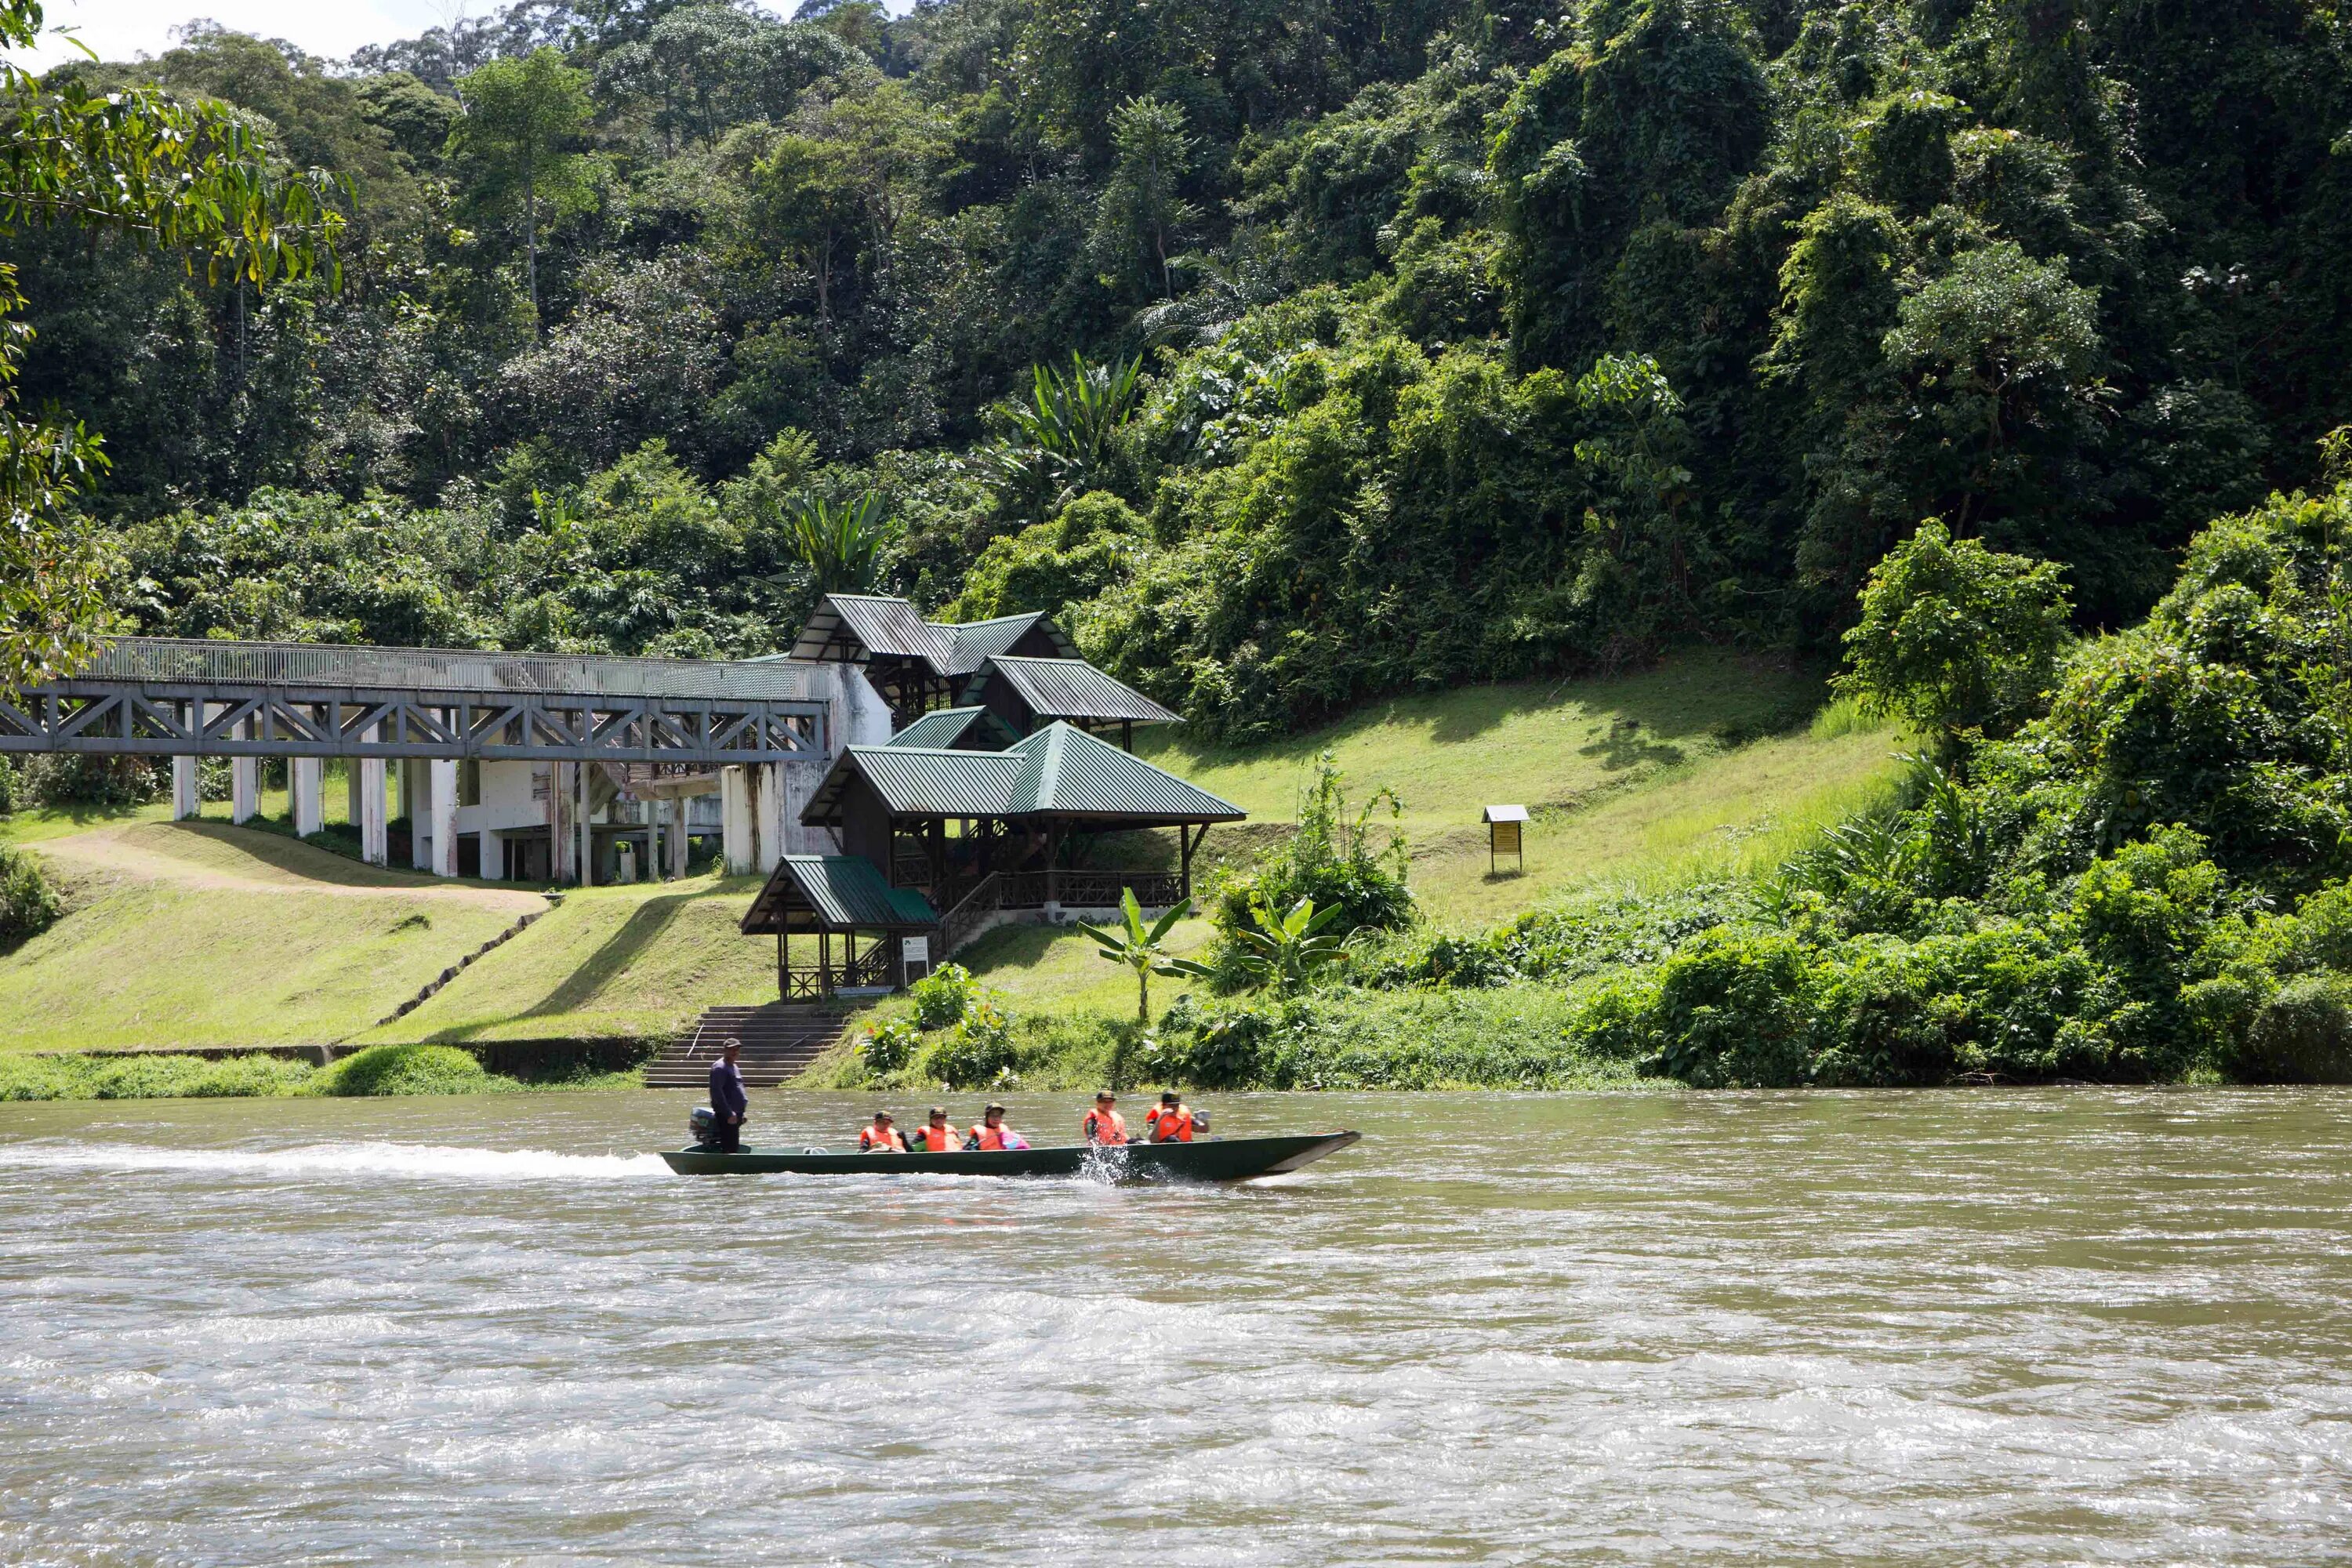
186 803
245 782
738 848
772 816
304 777
494 861
443 807
559 824
418 803
675 859
352 815
375 846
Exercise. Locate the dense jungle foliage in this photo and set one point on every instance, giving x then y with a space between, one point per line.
1417 342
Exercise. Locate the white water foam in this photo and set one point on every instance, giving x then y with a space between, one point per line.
424 1161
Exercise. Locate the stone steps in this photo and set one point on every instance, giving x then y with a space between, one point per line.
779 1040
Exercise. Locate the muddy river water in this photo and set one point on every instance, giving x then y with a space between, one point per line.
1967 1328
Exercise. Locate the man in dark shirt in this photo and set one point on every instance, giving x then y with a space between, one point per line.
727 1100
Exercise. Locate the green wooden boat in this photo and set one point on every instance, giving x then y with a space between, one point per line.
1212 1160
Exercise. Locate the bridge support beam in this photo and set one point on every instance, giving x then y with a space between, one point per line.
738 840
674 862
444 792
772 815
186 803
375 839
304 785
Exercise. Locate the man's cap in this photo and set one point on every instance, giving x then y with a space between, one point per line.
884 1116
991 1109
938 1113
733 1045
1104 1095
1168 1096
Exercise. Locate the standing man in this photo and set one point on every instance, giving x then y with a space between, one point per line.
727 1100
1104 1124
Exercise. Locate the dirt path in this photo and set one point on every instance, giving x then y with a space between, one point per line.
210 858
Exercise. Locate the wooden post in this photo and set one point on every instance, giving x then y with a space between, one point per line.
784 971
1190 842
824 964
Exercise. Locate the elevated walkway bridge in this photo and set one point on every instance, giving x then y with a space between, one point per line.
651 729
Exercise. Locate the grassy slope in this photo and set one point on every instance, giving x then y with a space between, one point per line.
1645 776
197 934
632 962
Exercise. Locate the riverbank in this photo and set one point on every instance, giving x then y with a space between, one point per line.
375 1071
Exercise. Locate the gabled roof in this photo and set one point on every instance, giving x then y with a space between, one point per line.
1506 813
956 728
876 624
865 625
841 892
1069 689
974 643
1060 771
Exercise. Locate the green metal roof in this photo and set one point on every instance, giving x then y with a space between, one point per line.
974 643
949 728
892 627
1060 771
1070 688
846 893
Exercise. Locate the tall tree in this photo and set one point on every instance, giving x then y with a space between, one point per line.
514 146
1143 216
141 165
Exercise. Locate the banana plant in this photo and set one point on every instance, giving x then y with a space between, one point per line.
1285 950
1144 949
841 545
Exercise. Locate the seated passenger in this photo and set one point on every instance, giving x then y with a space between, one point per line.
991 1133
1170 1122
1104 1124
935 1136
881 1138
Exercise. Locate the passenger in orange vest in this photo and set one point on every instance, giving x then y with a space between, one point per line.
881 1138
991 1133
1104 1124
1170 1122
936 1136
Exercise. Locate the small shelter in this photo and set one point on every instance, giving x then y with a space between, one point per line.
1014 814
1503 825
843 896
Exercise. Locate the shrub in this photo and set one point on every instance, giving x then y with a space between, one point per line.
1340 863
2304 1033
405 1070
942 997
73 778
143 1075
977 1053
7 787
28 905
888 1048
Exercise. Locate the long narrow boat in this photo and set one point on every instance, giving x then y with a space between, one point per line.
1216 1159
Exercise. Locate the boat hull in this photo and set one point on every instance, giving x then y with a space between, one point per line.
1216 1160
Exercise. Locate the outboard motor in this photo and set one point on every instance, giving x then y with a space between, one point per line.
702 1126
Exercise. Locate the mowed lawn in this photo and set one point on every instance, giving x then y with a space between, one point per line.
632 961
1708 761
199 934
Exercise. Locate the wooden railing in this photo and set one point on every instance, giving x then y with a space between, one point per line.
871 967
1088 889
959 924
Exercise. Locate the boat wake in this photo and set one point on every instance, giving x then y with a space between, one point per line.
416 1161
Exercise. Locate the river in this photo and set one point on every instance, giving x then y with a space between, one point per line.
1981 1327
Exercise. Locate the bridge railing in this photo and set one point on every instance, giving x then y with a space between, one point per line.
191 661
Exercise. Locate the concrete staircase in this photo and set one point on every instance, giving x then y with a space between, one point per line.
779 1040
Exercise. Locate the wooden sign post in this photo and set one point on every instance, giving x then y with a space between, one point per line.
1504 825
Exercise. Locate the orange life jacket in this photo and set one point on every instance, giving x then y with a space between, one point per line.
1169 1126
1105 1127
984 1136
872 1138
940 1139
